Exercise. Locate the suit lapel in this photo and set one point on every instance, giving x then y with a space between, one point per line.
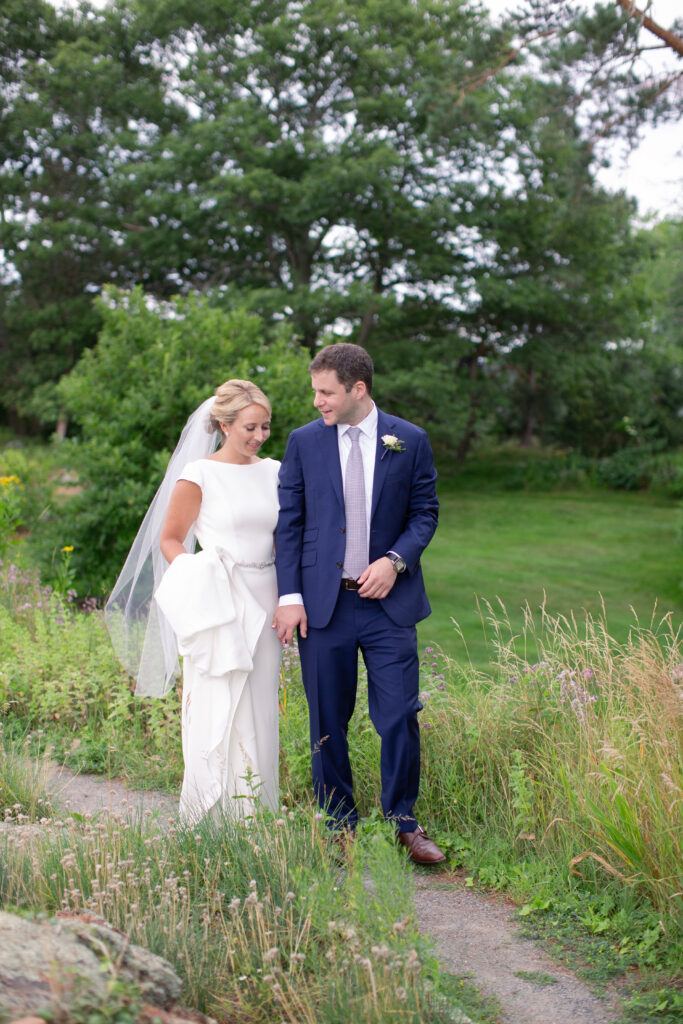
384 426
329 447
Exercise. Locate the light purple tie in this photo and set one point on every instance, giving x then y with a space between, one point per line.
356 555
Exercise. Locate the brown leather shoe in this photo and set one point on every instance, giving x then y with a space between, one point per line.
421 849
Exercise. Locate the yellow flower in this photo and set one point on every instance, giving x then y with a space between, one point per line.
6 481
68 548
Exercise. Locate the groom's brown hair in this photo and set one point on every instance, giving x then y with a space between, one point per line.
350 362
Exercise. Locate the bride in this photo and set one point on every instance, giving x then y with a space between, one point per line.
216 605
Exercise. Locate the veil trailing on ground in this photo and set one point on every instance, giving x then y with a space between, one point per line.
143 640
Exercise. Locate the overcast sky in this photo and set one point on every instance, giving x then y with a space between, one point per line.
653 173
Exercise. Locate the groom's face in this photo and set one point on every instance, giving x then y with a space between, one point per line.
334 403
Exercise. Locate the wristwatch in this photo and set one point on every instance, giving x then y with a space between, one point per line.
397 562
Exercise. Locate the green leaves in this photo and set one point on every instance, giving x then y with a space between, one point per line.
131 395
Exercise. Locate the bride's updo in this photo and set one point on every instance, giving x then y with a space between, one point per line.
231 398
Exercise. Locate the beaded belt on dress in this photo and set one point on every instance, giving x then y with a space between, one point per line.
255 565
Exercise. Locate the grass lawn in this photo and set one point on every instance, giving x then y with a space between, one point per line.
579 547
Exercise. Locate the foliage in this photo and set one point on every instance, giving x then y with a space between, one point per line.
23 779
410 176
59 672
254 915
557 775
131 396
638 468
10 510
80 104
664 1005
596 726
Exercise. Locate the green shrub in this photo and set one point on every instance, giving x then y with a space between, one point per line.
640 468
130 397
58 672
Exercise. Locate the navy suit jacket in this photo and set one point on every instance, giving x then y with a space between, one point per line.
310 537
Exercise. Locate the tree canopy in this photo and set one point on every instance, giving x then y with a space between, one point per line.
403 173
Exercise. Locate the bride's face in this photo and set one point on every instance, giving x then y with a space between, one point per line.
247 432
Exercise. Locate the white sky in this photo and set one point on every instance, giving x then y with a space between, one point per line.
653 173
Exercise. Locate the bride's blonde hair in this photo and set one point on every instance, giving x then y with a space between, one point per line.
231 398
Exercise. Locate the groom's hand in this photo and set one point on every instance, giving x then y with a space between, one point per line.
287 618
378 579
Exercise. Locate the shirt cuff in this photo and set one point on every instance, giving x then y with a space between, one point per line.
290 599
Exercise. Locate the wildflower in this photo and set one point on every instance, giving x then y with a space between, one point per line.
68 548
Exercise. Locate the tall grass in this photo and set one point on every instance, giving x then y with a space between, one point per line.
564 762
58 671
584 745
23 781
560 770
255 916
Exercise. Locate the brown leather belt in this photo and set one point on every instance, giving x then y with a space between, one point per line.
347 584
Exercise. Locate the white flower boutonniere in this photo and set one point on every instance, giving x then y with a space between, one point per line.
392 444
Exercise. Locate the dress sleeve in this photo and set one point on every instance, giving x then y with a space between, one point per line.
193 473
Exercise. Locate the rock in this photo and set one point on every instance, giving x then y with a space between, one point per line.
73 956
154 977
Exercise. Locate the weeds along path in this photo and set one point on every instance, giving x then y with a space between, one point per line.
475 935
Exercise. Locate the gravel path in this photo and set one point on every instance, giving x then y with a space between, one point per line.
475 935
90 794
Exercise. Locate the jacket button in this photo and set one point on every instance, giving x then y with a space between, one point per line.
343 529
340 565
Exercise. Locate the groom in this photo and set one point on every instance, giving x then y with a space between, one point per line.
358 507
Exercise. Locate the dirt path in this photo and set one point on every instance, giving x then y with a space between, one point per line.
475 935
90 794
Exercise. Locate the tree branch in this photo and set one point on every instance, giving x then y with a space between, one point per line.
671 40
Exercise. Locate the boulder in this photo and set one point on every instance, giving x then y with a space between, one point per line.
47 964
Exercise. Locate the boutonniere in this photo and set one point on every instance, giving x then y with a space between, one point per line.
392 444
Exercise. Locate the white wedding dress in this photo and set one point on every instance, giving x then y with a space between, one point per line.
220 603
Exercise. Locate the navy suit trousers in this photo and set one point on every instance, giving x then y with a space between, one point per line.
329 662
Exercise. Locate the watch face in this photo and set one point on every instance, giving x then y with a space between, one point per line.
399 564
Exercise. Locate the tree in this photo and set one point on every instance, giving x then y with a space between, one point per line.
307 176
78 104
605 52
